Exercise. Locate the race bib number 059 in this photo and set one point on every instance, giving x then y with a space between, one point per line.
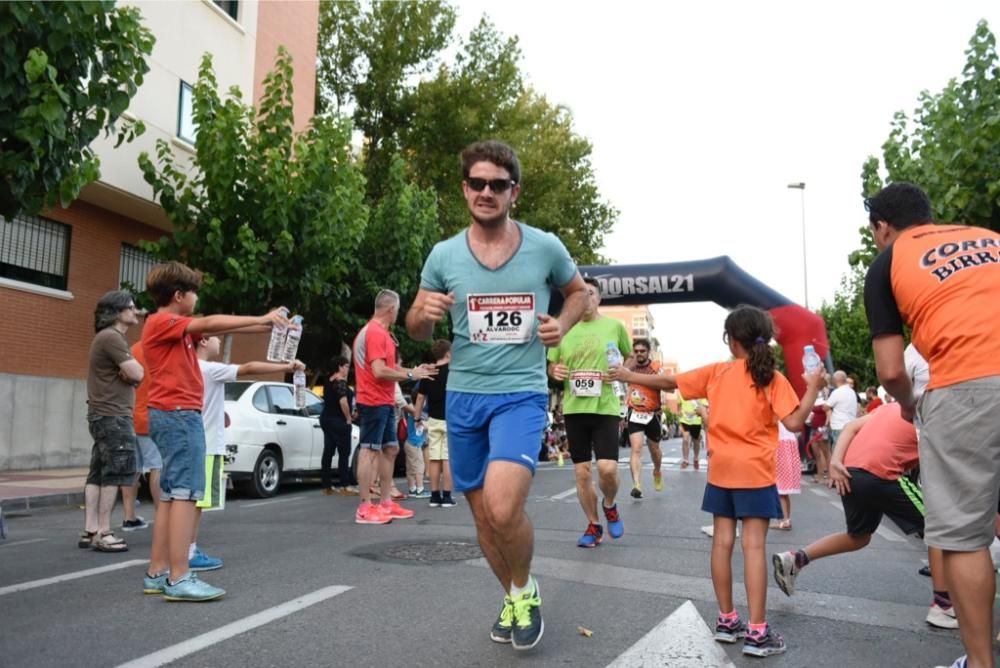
586 383
501 318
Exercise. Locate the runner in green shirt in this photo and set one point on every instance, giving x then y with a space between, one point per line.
691 423
592 408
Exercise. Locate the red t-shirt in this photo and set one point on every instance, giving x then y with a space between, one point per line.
172 363
885 446
140 414
372 343
873 404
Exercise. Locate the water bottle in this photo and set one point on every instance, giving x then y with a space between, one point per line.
615 359
276 345
299 381
810 360
292 339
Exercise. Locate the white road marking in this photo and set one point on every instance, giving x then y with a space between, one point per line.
837 504
682 640
817 491
562 495
856 610
198 643
24 542
11 589
284 499
889 534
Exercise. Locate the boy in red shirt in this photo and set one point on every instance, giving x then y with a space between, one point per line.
868 470
175 402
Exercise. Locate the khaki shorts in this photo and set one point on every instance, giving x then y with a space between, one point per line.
960 463
437 439
215 485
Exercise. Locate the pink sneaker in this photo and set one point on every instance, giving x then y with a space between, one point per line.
369 513
395 511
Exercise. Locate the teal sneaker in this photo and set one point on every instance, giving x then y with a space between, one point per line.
501 627
154 585
528 624
202 562
190 588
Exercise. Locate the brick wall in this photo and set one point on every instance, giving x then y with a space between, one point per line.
293 24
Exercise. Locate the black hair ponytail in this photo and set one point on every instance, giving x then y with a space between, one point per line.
754 330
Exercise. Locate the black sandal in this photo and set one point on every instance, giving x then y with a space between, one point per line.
86 539
115 544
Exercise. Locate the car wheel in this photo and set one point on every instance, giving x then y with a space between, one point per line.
266 477
354 465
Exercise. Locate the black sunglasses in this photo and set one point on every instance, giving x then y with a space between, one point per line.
496 185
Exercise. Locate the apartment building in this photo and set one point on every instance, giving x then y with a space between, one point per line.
55 266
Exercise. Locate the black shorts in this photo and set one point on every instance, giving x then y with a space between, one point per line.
112 459
693 429
591 434
652 429
872 496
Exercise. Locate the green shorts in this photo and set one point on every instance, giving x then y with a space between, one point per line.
215 486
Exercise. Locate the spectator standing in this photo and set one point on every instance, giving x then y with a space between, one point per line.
111 379
432 395
336 420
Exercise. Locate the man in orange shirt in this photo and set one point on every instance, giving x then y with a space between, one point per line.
643 418
943 281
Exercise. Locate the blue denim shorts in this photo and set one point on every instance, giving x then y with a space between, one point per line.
741 503
147 456
378 427
488 427
180 438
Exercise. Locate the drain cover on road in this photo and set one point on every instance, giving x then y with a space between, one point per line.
434 551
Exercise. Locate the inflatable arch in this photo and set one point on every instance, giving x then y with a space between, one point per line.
719 280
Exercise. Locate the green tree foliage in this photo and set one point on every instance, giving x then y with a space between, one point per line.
272 217
68 71
369 54
482 96
847 329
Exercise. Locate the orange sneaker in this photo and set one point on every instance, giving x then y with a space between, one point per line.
394 510
369 513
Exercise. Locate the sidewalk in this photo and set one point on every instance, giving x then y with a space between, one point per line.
22 491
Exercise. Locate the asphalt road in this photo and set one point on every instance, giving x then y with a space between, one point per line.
307 586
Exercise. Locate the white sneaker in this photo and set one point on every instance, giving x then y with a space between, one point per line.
785 573
960 662
943 618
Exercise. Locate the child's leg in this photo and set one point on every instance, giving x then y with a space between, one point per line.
434 471
786 506
194 529
935 558
159 555
836 543
755 566
723 538
446 482
182 517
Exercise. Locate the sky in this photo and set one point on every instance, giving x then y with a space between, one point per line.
701 114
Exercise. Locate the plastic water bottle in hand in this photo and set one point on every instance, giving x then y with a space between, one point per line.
276 346
810 360
615 359
292 339
299 381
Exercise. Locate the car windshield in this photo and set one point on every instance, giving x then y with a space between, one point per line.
236 389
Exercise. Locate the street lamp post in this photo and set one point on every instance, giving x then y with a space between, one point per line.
801 186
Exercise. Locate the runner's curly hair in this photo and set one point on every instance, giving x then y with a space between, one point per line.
753 329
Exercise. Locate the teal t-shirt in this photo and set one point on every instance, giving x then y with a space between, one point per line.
495 347
584 350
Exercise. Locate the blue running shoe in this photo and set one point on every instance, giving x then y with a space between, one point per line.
592 537
190 588
154 585
202 562
615 525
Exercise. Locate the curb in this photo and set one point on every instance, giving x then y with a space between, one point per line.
26 504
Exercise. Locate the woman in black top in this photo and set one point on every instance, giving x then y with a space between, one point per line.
336 423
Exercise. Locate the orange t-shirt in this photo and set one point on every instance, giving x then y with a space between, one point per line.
641 398
743 436
140 414
942 280
886 445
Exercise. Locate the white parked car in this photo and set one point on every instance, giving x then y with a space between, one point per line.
269 440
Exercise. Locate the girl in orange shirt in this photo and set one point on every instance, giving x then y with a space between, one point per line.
751 396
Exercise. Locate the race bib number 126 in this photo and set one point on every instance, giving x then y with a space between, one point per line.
501 318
